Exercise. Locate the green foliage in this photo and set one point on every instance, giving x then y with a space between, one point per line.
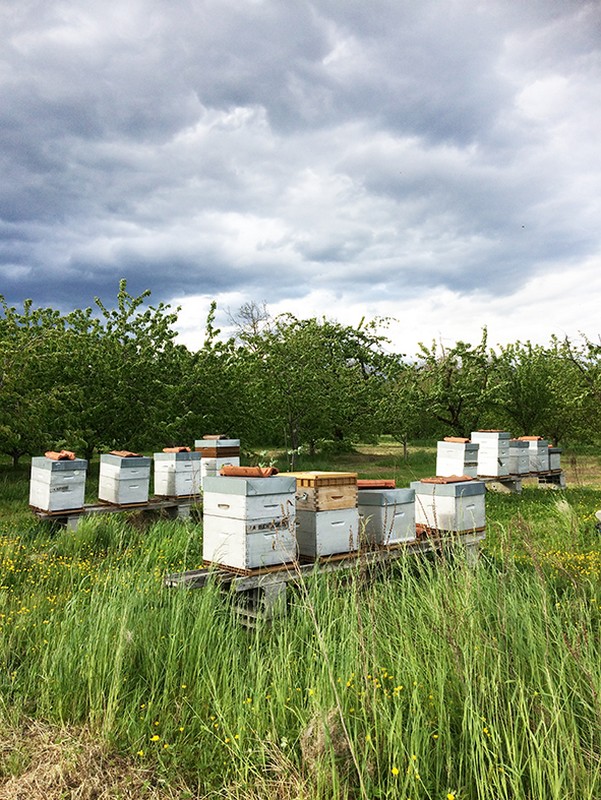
426 680
455 384
540 390
115 377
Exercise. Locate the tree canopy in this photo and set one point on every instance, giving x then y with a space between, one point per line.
105 377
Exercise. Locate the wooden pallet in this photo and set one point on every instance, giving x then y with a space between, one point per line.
71 516
349 554
198 578
247 573
435 533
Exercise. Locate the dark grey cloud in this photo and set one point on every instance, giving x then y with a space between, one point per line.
269 150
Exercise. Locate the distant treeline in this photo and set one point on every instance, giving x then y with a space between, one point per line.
96 379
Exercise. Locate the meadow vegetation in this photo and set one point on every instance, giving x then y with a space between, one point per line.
432 679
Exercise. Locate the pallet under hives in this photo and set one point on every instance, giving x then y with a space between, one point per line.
424 531
262 594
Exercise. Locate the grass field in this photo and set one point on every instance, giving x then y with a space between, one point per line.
433 680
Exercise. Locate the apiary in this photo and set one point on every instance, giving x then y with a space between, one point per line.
57 485
325 491
176 474
519 457
388 515
326 533
450 504
124 479
538 452
455 456
493 453
248 523
554 458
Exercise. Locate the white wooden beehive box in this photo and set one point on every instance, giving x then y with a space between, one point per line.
519 457
239 544
388 515
176 474
457 458
262 499
249 523
57 485
325 533
210 467
493 453
538 451
122 480
218 448
453 507
554 458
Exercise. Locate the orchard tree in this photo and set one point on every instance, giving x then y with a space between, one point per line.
314 380
34 399
126 368
539 390
403 409
455 384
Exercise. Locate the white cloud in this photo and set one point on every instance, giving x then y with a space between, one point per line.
326 157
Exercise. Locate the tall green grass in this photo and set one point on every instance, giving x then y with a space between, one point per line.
427 680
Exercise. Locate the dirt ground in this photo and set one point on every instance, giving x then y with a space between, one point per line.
41 762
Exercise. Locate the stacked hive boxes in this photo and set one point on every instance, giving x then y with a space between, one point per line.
248 523
388 515
176 473
124 478
326 513
449 504
457 456
538 451
519 457
493 453
216 452
57 484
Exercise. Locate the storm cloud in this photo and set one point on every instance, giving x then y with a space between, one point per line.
438 162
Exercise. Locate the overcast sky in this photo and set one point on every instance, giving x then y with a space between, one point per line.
437 161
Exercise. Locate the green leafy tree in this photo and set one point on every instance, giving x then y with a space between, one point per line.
455 384
34 401
125 368
313 380
539 390
403 410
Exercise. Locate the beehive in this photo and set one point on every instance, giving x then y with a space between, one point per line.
519 457
325 491
493 453
209 467
176 474
57 485
444 504
217 448
457 457
248 523
554 458
538 452
388 515
124 480
326 533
